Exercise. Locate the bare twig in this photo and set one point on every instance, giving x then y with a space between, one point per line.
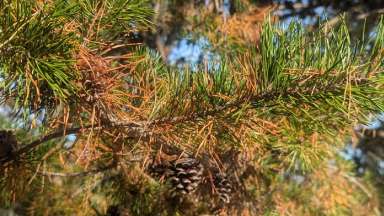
77 174
358 184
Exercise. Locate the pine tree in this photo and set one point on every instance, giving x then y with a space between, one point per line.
101 125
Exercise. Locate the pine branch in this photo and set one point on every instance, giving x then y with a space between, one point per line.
143 128
57 134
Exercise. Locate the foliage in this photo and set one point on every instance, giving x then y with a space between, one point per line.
36 54
269 113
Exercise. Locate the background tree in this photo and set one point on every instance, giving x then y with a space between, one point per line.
258 134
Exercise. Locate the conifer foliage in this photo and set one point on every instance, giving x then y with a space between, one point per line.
151 139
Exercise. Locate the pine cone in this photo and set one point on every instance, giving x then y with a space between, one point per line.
94 90
184 174
187 175
223 187
159 171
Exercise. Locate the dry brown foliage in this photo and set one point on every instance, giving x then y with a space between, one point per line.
245 27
